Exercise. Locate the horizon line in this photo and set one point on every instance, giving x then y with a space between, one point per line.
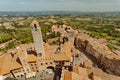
60 11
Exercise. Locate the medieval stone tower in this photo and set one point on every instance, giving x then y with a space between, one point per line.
38 41
37 37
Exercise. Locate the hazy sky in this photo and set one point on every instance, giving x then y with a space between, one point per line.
59 5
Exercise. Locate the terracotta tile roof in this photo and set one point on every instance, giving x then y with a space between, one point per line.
81 71
61 57
5 62
65 55
31 57
15 65
66 48
76 69
50 50
67 76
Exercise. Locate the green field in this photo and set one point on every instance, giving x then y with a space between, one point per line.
95 25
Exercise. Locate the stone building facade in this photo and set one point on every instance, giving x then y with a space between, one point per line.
109 61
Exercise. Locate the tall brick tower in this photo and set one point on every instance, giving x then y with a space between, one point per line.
37 37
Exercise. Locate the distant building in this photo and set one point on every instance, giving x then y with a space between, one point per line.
65 32
8 25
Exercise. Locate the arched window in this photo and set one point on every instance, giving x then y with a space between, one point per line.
35 27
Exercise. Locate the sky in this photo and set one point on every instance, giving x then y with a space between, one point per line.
60 5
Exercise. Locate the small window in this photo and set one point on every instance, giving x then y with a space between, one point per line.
21 75
41 63
50 62
17 75
28 70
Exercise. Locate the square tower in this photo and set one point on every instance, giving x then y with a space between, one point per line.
37 37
